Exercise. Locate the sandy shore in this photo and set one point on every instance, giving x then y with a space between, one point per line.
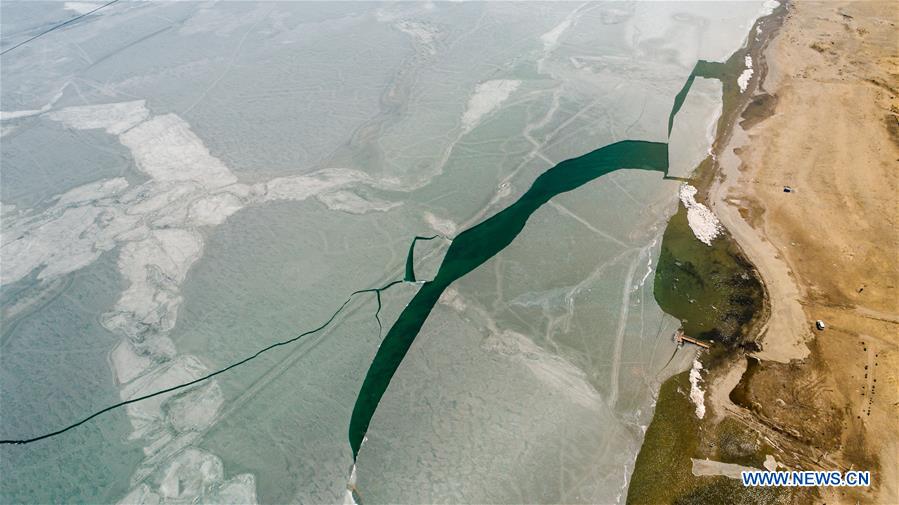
824 124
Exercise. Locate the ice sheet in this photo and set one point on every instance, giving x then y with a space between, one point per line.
263 160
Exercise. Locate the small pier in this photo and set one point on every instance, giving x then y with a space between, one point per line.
680 338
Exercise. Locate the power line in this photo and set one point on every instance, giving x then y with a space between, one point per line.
55 27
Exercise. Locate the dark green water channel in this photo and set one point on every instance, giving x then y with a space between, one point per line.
476 245
684 270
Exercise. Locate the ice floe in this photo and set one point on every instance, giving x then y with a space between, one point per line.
702 221
166 149
697 395
156 226
115 118
126 363
154 269
194 476
149 415
214 209
67 237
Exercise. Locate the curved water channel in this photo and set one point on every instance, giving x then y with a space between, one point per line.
474 246
468 250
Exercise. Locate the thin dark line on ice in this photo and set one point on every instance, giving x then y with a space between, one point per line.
376 291
58 26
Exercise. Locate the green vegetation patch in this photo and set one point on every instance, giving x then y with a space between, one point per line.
713 290
664 470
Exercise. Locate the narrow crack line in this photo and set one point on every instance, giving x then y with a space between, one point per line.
58 26
376 291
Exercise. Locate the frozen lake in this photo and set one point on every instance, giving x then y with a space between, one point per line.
186 183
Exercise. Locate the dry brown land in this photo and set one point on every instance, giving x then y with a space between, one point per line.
825 124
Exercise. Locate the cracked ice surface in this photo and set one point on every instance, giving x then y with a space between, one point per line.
157 227
204 189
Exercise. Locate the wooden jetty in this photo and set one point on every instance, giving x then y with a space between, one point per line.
680 338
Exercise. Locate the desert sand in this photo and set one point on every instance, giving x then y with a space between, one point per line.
824 123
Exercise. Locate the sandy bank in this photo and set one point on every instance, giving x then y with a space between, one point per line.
825 124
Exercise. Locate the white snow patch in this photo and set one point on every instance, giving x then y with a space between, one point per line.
147 415
67 239
214 209
166 149
348 498
697 395
550 39
768 7
80 7
92 191
301 187
743 80
486 98
16 114
423 34
154 267
6 115
702 221
442 226
115 118
451 298
194 476
126 363
348 201
648 265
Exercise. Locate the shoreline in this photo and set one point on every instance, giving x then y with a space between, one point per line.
662 471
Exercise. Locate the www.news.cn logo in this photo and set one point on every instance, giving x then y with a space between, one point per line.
806 479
